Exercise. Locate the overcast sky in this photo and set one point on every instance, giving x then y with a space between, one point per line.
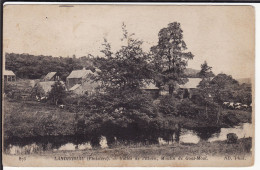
221 35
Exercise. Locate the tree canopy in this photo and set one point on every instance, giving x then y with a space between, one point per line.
170 57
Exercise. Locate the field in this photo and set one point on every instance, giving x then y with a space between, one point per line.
31 118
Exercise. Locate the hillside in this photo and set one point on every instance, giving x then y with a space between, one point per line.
191 72
244 80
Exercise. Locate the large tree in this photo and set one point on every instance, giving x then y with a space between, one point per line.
170 57
224 88
126 68
122 108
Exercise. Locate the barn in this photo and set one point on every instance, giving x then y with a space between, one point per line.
77 77
9 76
85 87
51 76
188 88
151 89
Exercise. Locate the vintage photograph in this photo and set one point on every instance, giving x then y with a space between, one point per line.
128 85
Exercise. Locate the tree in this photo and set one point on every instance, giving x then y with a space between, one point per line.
170 57
205 71
57 93
127 68
223 88
122 108
244 94
204 85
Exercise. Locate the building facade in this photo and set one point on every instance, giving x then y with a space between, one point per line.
9 76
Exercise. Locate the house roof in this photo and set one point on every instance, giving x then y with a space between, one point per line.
79 73
191 84
75 87
47 85
9 73
49 75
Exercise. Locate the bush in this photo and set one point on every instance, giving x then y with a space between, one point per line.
188 109
168 105
57 93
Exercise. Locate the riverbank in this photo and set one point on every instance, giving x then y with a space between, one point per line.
31 118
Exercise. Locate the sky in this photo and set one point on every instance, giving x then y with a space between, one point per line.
221 35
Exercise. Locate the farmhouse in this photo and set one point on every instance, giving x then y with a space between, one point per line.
51 76
77 77
80 83
9 76
151 89
188 88
85 87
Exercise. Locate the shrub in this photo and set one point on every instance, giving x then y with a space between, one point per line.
57 93
168 105
188 109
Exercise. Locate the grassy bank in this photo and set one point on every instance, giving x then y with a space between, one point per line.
219 148
31 118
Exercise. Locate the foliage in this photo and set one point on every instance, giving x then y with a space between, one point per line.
243 94
205 71
126 68
170 57
57 93
188 109
35 67
9 89
168 105
204 88
121 108
223 88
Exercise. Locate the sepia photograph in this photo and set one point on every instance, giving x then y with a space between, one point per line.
89 85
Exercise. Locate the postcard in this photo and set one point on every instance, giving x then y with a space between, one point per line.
128 85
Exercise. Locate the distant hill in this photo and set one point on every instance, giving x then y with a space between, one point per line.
244 80
191 72
29 66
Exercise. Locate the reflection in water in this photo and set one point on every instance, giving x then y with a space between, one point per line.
243 131
28 149
212 134
188 136
84 146
71 146
68 147
164 142
103 142
36 145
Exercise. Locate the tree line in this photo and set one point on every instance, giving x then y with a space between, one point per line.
35 67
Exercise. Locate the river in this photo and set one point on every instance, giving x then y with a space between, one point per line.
186 136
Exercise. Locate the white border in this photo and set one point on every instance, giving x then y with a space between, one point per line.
257 77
